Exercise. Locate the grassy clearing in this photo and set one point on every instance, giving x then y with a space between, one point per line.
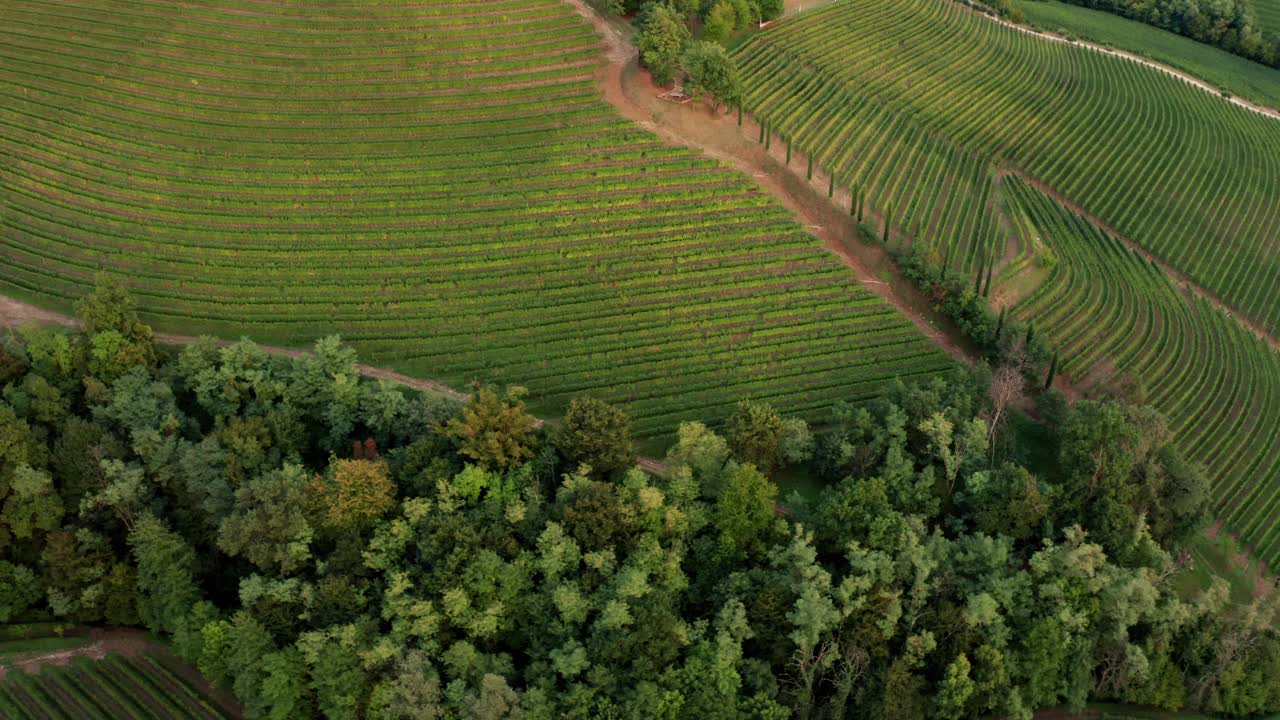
1219 558
439 183
1239 76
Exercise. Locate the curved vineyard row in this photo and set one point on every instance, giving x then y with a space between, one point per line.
868 86
429 180
1118 319
116 687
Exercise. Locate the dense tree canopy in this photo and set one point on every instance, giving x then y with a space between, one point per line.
326 546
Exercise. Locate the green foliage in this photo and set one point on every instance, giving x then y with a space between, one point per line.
33 504
708 70
934 576
756 432
662 40
721 22
494 431
1230 25
598 434
269 524
167 587
19 590
745 510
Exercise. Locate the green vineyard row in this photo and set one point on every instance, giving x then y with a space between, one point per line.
871 86
439 183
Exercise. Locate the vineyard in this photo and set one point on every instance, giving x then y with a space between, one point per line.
1268 12
867 85
440 183
1114 316
115 688
1253 81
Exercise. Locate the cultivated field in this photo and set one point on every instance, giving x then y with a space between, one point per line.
1245 78
929 108
1181 171
115 688
438 182
1113 314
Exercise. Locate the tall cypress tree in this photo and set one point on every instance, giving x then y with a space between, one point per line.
986 290
1053 370
977 282
831 186
1000 323
887 219
788 151
809 174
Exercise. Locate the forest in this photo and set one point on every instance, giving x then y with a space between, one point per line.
323 545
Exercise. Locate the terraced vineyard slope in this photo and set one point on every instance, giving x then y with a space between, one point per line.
439 182
1115 317
114 688
884 89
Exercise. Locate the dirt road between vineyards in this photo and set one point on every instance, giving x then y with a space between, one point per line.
694 125
120 641
131 643
717 135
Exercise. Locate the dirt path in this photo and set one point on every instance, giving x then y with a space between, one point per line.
717 135
14 313
121 641
1188 78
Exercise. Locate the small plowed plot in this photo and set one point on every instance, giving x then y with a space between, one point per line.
438 182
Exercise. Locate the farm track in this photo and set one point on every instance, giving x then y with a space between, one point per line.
132 644
624 86
15 313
